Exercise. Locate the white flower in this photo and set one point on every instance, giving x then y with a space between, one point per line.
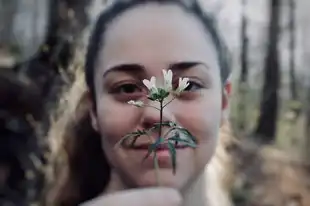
136 103
151 84
183 83
167 80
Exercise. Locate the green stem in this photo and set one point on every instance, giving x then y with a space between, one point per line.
169 102
161 118
152 107
156 166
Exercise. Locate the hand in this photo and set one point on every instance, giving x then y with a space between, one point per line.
139 197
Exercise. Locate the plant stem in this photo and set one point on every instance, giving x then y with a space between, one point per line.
161 118
169 102
152 107
156 166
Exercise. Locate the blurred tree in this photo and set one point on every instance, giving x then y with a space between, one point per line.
243 85
66 21
18 144
49 68
22 28
292 47
267 121
34 84
307 127
295 103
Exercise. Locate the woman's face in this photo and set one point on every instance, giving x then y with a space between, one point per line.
138 45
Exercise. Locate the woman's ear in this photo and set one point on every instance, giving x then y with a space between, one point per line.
94 121
92 113
225 100
226 95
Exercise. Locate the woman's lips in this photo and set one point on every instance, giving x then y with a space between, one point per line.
162 151
141 147
159 147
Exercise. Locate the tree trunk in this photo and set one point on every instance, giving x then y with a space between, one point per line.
244 71
22 27
66 22
267 122
294 95
7 12
307 125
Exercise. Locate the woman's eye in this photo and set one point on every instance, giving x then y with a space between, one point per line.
193 86
128 88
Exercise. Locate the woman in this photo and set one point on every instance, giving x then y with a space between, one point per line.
135 40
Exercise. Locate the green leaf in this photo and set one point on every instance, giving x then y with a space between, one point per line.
149 152
154 97
155 127
151 98
158 95
153 147
188 134
168 132
159 141
141 132
134 140
172 124
162 93
167 124
126 137
177 136
186 142
173 157
133 135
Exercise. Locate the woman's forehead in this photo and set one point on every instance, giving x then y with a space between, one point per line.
155 35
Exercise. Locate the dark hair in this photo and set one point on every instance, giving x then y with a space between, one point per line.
97 38
86 172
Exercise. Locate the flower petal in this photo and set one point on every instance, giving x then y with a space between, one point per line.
167 80
153 82
136 103
183 83
169 75
164 73
147 83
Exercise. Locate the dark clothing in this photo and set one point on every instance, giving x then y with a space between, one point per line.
9 197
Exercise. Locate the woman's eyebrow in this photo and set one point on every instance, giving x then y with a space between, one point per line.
128 68
183 66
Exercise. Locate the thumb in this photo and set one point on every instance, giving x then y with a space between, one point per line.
139 197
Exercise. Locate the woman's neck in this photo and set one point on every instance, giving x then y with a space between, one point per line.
115 184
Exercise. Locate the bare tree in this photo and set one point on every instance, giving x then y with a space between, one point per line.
267 122
295 106
307 125
294 95
43 71
242 87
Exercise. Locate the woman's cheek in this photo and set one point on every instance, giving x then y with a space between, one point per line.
116 119
202 118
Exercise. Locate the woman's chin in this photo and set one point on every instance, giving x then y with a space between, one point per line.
164 178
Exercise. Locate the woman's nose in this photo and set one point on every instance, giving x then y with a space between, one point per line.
152 115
